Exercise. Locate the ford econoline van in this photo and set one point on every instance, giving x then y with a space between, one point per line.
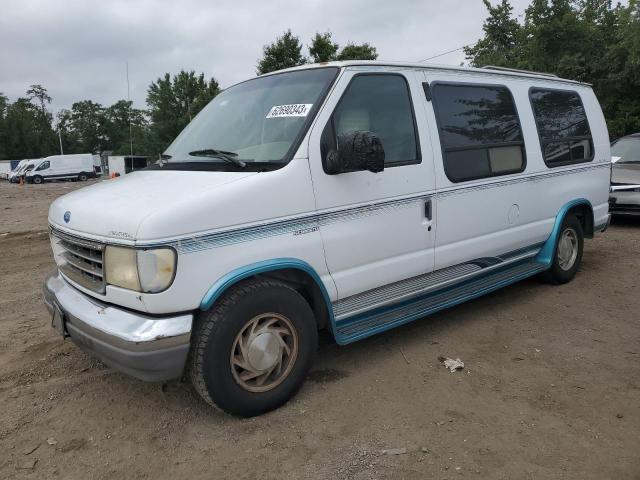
352 197
63 167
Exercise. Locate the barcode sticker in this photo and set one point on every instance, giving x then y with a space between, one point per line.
293 110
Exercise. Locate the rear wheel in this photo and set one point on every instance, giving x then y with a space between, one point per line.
568 253
38 179
252 351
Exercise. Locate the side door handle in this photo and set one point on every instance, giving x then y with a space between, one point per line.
427 208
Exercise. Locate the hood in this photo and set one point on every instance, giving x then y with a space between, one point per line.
626 173
116 208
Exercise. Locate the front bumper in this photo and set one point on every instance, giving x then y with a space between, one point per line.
623 202
147 347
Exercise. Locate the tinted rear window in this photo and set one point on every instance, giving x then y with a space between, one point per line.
479 131
562 126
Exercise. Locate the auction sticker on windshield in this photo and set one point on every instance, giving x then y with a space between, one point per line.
293 110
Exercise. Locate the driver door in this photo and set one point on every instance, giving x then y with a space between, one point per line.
376 227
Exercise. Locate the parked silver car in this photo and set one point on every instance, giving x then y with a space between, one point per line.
625 176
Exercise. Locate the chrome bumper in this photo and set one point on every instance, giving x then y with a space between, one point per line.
147 347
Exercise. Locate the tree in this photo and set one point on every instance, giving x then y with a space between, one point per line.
587 40
501 35
174 101
358 52
121 120
285 52
39 93
69 137
26 128
322 48
23 131
87 123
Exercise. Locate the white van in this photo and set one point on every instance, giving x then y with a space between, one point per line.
13 174
63 167
352 196
22 168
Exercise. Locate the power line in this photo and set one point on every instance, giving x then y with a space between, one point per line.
441 54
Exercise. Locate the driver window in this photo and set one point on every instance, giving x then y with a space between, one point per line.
381 104
43 166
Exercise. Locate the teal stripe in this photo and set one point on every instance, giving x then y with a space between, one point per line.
247 271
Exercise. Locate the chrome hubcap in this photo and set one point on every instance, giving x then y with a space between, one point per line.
568 249
264 352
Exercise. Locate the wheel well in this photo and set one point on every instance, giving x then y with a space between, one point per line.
584 214
306 286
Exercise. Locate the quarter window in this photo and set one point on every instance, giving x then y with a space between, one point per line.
479 131
562 125
380 103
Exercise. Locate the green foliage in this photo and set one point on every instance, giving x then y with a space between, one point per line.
501 37
358 52
121 117
587 40
26 128
174 101
285 52
87 123
322 48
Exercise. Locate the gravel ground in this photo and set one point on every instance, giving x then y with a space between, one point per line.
550 389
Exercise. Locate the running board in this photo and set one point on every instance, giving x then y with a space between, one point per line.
376 321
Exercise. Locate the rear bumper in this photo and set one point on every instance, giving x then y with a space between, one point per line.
150 348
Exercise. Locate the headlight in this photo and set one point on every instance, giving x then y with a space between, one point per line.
120 267
156 269
149 271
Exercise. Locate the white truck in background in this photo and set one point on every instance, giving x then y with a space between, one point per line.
63 167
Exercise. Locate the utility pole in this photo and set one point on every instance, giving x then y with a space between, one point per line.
130 105
60 138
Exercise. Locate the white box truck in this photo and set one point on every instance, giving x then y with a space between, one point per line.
63 167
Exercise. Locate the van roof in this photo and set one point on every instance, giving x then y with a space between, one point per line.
489 69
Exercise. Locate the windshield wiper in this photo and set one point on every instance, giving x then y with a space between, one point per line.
213 153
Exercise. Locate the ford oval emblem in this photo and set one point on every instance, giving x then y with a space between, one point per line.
67 216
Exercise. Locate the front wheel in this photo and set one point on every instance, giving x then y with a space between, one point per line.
83 177
252 351
568 253
37 180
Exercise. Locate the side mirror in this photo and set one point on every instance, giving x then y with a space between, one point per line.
357 151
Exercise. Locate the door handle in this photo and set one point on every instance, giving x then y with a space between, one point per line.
427 208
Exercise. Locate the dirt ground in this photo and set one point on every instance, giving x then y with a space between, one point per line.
551 387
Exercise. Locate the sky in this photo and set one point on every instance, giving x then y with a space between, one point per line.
78 49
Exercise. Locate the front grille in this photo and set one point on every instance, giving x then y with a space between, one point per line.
79 259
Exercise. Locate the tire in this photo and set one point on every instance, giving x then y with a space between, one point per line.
38 180
83 177
254 305
565 264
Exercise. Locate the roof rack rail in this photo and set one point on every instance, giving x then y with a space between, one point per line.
517 70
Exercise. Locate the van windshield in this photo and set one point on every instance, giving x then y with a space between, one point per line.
256 124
